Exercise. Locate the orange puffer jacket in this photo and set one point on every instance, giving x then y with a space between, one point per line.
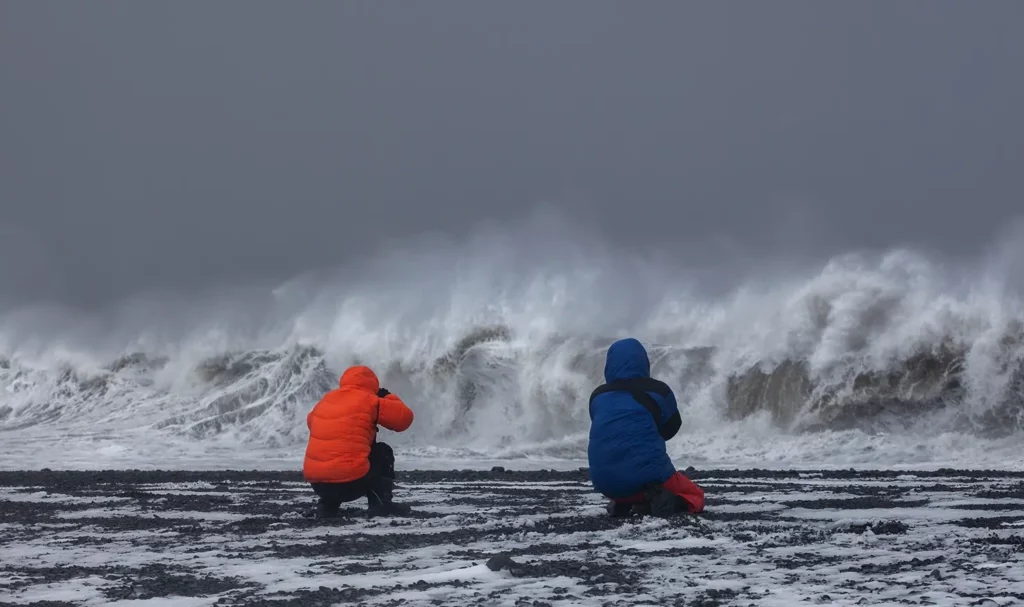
343 425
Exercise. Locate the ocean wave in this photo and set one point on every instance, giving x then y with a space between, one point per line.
497 345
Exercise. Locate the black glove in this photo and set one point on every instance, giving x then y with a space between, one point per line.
382 393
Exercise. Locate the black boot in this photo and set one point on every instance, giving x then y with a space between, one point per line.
664 503
618 509
642 509
379 500
325 510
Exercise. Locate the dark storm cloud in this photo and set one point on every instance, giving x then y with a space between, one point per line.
186 144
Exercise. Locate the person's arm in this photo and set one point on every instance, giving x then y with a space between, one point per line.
309 418
674 421
394 414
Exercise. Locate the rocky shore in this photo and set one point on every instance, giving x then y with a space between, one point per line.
768 537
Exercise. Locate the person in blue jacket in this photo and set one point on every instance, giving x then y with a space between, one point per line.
632 415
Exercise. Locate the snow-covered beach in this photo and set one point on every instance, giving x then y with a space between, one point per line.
768 537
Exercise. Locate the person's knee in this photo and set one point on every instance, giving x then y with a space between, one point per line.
681 484
676 495
380 449
382 460
382 454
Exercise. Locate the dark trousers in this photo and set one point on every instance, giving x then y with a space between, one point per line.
378 479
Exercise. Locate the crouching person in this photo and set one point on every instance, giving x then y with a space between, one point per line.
632 415
344 461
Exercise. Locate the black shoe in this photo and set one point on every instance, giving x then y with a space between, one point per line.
664 503
388 509
618 509
325 511
379 500
642 509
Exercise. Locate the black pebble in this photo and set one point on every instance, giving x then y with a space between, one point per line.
502 561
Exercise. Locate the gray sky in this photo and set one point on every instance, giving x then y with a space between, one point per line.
187 144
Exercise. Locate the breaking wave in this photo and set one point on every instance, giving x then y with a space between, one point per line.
497 346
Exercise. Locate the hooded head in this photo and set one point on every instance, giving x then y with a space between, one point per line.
360 377
627 359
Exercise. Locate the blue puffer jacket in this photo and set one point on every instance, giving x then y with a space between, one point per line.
627 448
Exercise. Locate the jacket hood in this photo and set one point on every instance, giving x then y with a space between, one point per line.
360 377
627 359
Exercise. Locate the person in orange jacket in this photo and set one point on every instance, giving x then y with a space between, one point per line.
344 461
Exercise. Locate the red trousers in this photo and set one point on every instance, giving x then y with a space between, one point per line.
678 484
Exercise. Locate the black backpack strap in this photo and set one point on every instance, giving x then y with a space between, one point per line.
376 420
638 389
